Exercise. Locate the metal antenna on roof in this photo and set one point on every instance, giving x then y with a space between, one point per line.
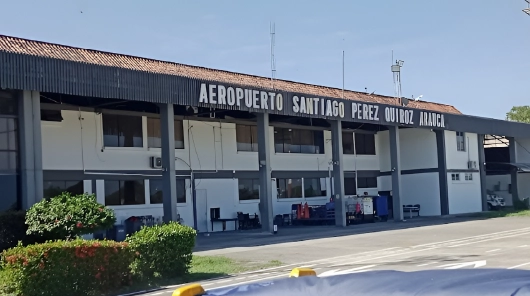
396 70
343 74
273 60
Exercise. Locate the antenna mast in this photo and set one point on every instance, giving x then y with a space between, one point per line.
273 60
396 70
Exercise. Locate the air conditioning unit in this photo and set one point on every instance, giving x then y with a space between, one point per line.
472 164
156 162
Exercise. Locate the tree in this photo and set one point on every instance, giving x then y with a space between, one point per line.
519 113
67 216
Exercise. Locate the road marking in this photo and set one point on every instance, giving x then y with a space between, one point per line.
339 271
251 281
321 260
472 237
224 281
520 265
155 294
425 264
495 250
523 246
489 239
475 264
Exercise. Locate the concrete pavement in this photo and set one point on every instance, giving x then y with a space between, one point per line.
453 244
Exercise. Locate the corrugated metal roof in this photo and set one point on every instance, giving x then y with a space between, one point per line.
20 46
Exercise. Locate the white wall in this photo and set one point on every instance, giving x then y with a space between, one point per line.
464 196
75 144
417 151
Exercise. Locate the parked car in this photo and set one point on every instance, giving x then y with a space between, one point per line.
495 202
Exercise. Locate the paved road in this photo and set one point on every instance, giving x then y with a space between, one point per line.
494 243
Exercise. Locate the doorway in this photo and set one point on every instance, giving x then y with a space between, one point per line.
201 210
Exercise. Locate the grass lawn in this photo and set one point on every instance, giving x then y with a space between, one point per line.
507 213
206 267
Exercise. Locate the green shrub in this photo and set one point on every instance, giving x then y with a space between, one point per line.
67 216
13 229
519 204
76 267
165 250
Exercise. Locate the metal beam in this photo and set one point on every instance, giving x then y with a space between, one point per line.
396 172
338 173
265 188
513 172
482 169
169 182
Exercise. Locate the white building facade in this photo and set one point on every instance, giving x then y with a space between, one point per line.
170 140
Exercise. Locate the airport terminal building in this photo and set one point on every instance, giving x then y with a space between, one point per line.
134 130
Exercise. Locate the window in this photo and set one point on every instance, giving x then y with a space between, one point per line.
55 188
130 192
154 134
248 189
468 177
247 137
460 141
8 144
289 188
364 143
122 131
314 187
455 177
287 140
8 104
364 182
155 191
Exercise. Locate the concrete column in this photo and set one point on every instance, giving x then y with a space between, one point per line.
265 181
513 174
338 173
30 148
169 182
482 171
37 142
442 172
396 173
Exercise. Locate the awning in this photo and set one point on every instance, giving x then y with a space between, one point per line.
521 167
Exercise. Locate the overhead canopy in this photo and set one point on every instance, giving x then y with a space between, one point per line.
522 167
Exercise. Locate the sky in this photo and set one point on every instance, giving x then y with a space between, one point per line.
471 54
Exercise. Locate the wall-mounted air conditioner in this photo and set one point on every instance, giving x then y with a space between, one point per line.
472 164
156 162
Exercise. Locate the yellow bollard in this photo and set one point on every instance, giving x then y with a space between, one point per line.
300 271
189 290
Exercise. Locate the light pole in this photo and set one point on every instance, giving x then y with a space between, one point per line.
527 10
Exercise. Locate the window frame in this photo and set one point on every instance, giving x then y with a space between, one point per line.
117 117
178 180
295 135
461 142
455 177
141 181
253 132
254 181
77 182
178 125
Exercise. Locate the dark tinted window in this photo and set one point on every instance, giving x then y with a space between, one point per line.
247 137
287 140
155 191
248 189
130 192
313 187
154 134
365 144
289 188
55 188
122 131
